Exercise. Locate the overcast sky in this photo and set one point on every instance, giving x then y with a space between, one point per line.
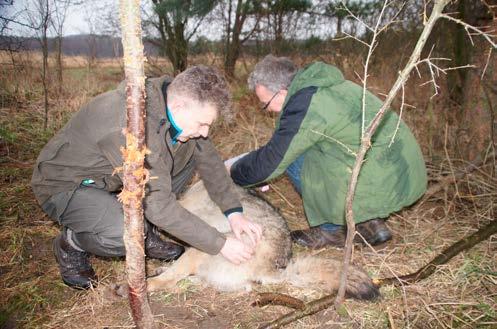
76 19
75 23
80 18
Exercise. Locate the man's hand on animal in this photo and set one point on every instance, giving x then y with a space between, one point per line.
236 251
240 224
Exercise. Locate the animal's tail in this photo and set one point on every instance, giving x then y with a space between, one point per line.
324 273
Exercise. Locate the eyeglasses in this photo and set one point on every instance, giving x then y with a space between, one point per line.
269 102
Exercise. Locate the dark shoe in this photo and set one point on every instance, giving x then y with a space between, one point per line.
316 237
375 231
156 248
74 265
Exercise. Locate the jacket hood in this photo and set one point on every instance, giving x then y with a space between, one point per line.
317 74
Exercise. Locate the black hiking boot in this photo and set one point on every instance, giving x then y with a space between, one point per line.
74 265
157 248
375 231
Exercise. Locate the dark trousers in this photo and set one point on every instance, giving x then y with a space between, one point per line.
96 218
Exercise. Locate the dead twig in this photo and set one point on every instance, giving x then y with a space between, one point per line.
451 178
320 304
269 298
309 309
464 244
280 194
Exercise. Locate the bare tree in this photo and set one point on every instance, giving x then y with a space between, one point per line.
90 14
109 25
39 16
282 15
235 15
11 17
58 20
177 21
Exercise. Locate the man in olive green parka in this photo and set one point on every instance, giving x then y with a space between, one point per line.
315 142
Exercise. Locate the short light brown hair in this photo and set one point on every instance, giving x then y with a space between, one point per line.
205 85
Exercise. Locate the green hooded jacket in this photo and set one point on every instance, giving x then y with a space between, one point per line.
322 120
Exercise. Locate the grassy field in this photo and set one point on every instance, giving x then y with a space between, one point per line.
461 294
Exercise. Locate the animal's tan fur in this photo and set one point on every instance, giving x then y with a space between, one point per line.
272 262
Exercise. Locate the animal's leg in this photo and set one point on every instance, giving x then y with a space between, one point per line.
186 265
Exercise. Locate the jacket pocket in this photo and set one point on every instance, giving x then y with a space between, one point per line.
51 150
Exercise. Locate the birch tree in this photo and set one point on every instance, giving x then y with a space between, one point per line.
134 174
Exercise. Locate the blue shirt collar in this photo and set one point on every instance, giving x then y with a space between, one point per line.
174 129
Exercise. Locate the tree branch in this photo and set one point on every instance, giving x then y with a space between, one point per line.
464 244
446 255
468 27
269 298
309 309
366 142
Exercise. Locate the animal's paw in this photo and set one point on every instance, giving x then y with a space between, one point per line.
120 289
360 285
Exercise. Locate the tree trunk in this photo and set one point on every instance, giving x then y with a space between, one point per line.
176 50
181 57
233 40
466 89
232 54
461 54
134 173
45 67
233 36
59 62
278 35
339 27
476 113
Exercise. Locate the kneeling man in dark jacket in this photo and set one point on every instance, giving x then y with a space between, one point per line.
75 184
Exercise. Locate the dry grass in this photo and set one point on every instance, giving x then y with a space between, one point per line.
461 294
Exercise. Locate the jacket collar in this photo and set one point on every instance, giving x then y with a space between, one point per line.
155 105
154 99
